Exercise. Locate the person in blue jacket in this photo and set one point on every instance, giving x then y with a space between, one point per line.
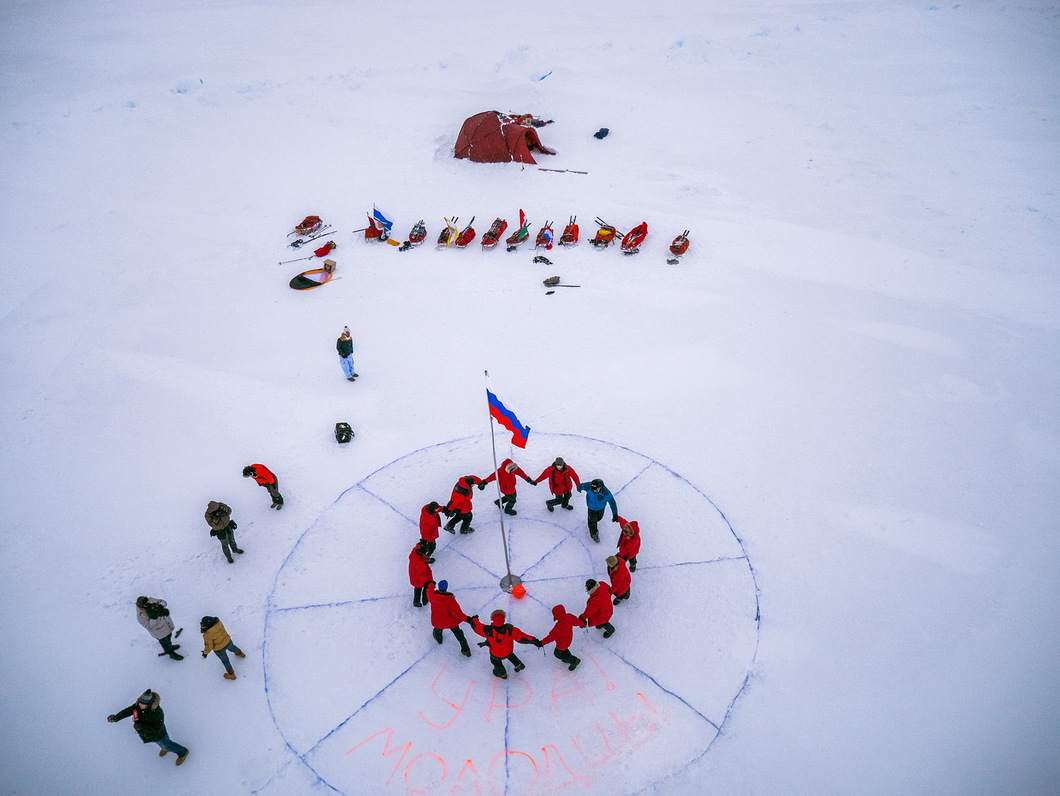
596 497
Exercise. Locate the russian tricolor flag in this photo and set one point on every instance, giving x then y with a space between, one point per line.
506 417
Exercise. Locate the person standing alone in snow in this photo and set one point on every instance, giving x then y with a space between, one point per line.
597 496
446 614
561 482
344 345
219 518
266 478
149 721
216 640
154 616
505 477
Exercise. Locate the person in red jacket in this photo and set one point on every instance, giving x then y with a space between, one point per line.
629 542
420 574
618 572
562 634
500 638
446 614
266 478
430 522
505 478
598 608
561 482
458 509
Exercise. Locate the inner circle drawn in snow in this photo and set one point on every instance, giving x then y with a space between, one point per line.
366 700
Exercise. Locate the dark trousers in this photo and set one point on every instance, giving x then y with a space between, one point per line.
507 503
607 627
227 538
274 492
464 519
464 648
419 596
560 500
498 664
566 656
595 515
430 547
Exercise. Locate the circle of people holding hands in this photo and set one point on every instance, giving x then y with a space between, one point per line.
500 635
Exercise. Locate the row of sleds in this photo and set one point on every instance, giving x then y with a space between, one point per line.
312 229
453 236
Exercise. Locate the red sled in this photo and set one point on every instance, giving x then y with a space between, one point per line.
494 233
680 244
375 231
605 235
418 234
544 237
521 235
635 237
570 233
309 225
466 235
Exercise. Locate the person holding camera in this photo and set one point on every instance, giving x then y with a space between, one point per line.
154 616
219 518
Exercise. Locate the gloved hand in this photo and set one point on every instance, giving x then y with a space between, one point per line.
614 519
481 485
531 481
537 642
111 718
205 654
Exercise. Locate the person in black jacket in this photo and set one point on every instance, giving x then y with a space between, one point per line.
344 345
150 724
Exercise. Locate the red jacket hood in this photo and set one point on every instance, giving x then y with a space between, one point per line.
559 612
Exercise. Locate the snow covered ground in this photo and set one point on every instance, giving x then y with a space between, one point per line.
836 420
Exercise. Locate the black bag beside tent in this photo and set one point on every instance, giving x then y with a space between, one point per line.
343 432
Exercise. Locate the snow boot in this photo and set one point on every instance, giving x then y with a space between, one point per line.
550 506
517 664
241 654
182 758
465 651
237 550
608 629
229 675
163 752
176 656
594 536
231 560
574 664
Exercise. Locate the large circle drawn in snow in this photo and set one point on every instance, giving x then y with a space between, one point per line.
367 700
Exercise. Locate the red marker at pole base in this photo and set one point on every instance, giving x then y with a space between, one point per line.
518 591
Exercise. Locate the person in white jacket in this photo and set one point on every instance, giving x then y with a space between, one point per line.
154 616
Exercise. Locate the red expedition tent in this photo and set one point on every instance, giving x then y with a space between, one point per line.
495 137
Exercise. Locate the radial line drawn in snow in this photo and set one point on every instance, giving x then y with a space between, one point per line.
386 708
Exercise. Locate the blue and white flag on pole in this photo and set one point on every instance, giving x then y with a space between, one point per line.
387 223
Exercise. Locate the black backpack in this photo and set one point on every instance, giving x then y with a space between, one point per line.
343 432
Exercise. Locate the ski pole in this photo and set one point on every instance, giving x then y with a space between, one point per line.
299 259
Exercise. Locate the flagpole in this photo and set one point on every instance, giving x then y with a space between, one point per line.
509 580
